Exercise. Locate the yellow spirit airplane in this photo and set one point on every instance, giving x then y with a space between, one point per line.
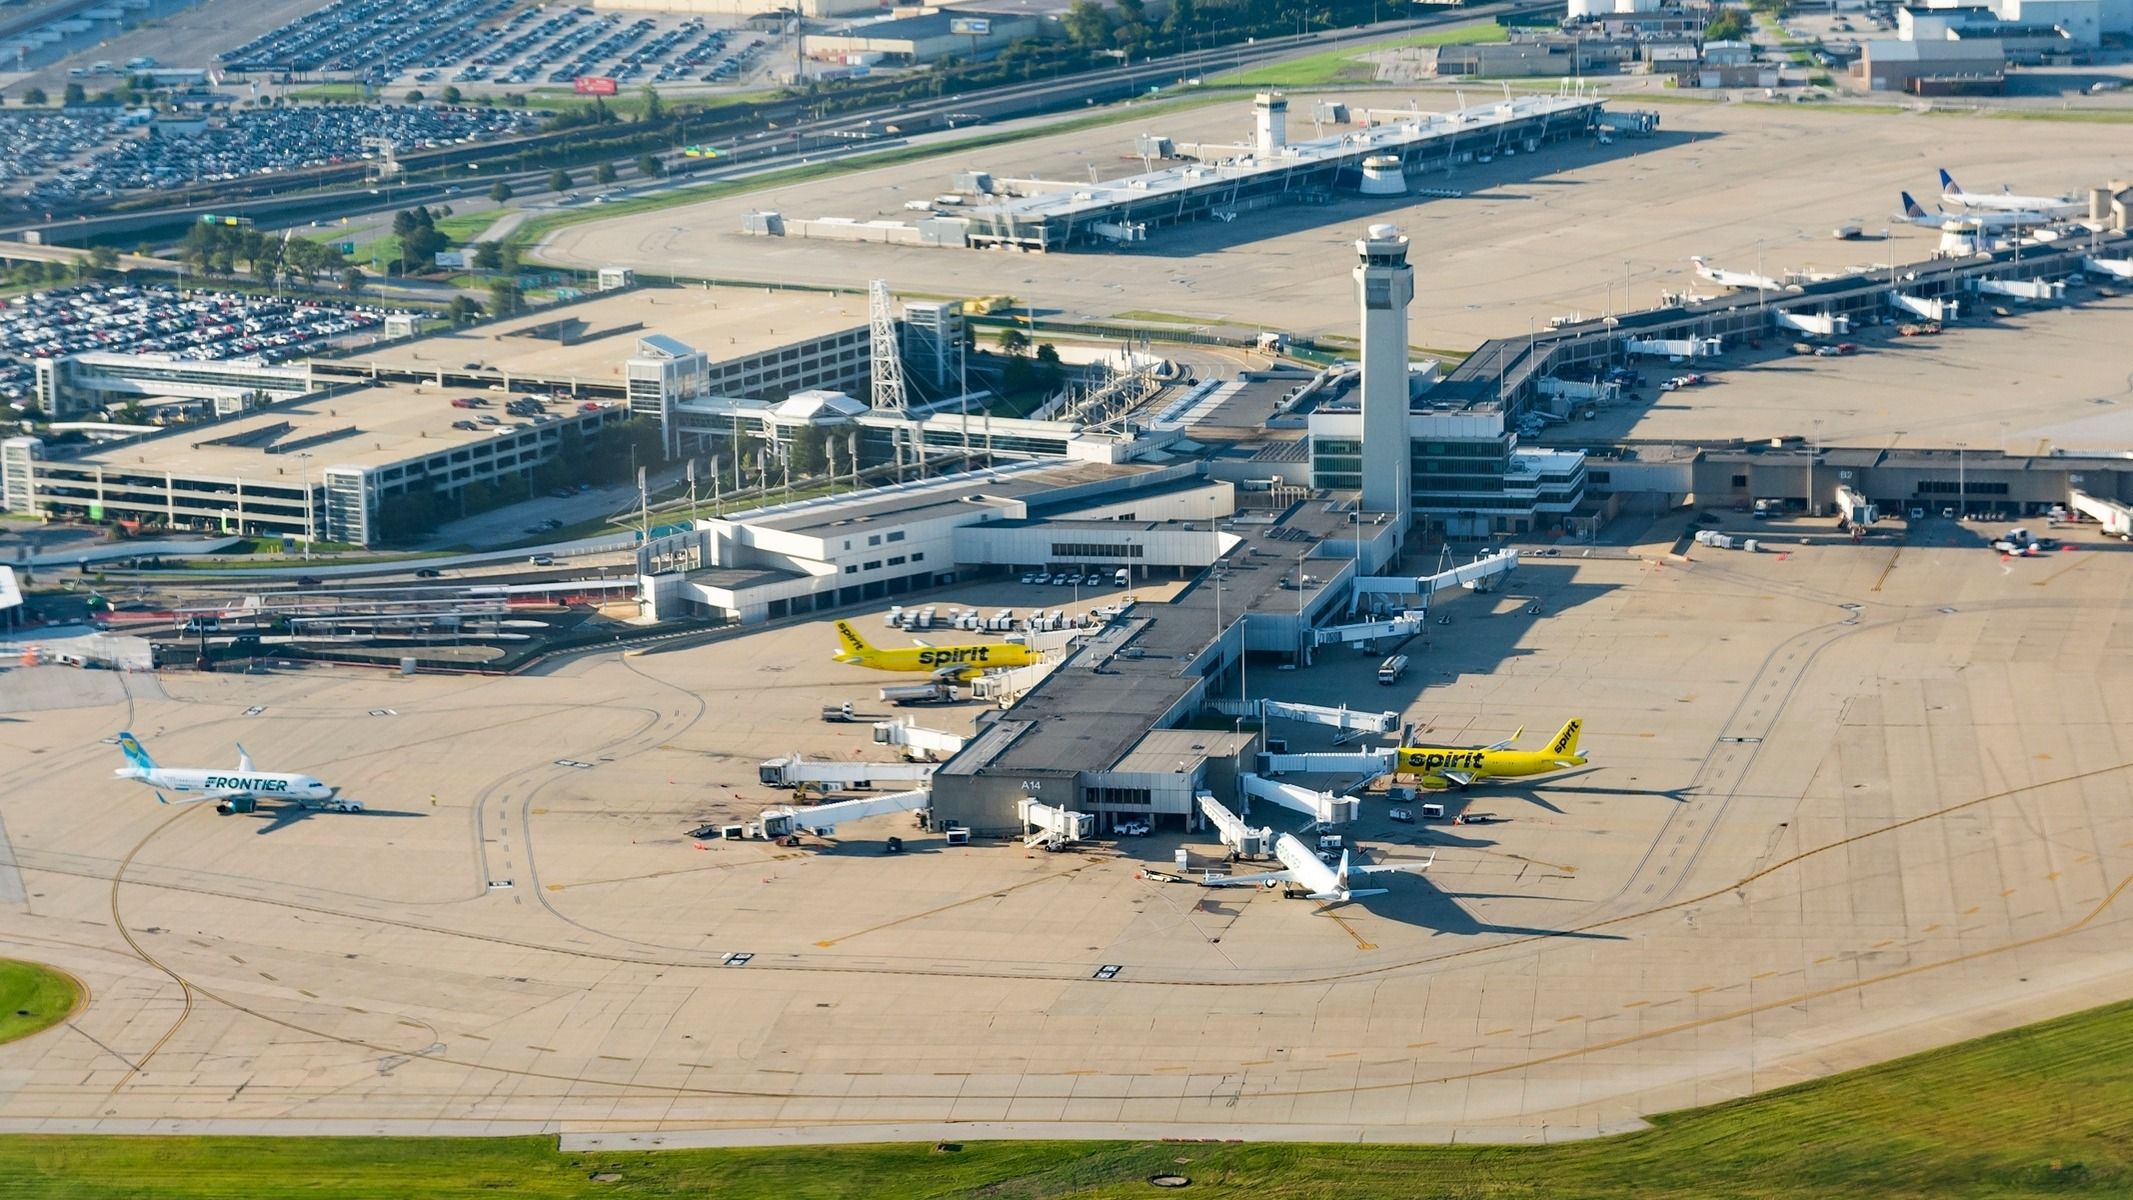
1443 767
949 663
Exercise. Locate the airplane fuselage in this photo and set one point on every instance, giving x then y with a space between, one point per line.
958 662
267 785
1432 761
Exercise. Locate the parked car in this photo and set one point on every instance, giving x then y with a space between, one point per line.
1134 829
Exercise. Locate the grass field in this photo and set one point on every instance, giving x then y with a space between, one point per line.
33 998
1343 66
2035 1111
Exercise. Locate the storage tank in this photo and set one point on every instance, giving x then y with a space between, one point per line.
1581 10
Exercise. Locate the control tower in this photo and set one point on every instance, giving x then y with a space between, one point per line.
1386 284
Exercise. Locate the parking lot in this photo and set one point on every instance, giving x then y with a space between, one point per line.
198 324
475 42
89 159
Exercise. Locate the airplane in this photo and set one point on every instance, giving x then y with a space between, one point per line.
1321 882
1739 279
1444 767
952 664
2053 207
1916 214
247 784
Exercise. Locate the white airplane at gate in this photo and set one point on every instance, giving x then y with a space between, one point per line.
194 784
2052 207
1739 279
1319 881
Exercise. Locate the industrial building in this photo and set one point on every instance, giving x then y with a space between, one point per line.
1045 215
944 33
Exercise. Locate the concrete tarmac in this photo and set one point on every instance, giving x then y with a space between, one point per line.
1845 803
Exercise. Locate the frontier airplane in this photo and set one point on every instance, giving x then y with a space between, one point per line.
948 663
1319 881
246 782
1443 767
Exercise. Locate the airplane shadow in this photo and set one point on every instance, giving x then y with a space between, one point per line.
282 818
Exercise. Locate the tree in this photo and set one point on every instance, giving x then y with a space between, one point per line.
559 180
810 450
74 95
1087 24
504 297
462 310
352 280
414 97
1050 371
501 192
1730 26
450 95
654 108
488 256
35 96
604 173
1014 341
103 258
651 167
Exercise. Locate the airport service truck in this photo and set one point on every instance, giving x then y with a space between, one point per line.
920 693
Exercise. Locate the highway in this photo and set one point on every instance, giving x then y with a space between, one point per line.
809 137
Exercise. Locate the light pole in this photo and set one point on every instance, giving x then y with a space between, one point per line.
1814 451
1962 489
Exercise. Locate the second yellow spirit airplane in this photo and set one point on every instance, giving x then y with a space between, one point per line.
1444 766
951 663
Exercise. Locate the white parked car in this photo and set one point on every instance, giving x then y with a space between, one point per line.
1133 829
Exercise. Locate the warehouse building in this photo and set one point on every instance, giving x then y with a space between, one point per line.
956 33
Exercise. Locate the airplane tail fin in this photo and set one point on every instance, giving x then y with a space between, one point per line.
136 754
244 760
1566 738
1911 207
1948 186
853 643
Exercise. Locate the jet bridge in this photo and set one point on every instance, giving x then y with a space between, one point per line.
1407 624
1333 717
1045 825
1231 828
1931 308
919 745
2021 289
1325 808
2116 518
796 772
1479 576
821 820
2117 268
1367 763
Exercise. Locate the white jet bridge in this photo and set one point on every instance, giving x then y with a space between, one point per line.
1332 716
1931 308
1478 576
796 772
821 820
919 745
1046 825
1231 828
2116 518
1324 808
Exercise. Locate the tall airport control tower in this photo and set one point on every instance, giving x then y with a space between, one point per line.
1386 284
